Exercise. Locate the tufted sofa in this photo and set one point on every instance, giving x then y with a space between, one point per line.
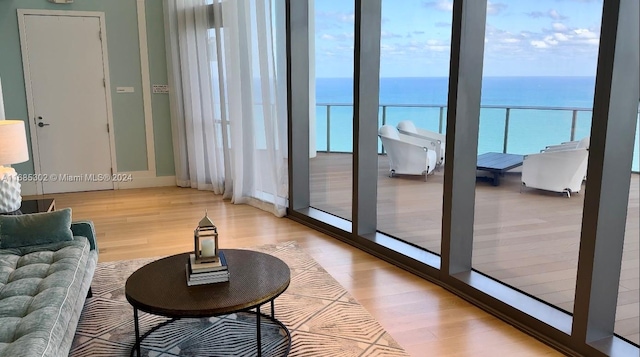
42 292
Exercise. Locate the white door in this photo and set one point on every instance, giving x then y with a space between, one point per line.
68 103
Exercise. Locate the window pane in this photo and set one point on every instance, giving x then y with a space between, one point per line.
537 92
628 312
331 163
414 70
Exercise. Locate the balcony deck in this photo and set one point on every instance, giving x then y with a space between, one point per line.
527 239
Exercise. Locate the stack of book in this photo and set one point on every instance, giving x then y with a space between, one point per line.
207 273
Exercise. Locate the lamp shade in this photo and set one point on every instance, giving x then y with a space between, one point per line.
2 117
13 142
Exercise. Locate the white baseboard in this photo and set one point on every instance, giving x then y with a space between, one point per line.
142 182
139 179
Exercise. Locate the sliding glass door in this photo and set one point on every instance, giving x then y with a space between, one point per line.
509 90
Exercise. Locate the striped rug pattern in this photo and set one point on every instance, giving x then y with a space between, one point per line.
324 320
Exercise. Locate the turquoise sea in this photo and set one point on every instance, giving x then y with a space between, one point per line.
530 128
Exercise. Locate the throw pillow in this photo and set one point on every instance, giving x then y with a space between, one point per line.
37 228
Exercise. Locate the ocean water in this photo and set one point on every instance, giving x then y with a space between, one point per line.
423 100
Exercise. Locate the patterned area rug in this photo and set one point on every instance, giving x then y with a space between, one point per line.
324 320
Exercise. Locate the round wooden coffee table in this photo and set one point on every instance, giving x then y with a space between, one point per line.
160 288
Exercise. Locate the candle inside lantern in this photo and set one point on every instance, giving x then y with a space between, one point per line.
208 248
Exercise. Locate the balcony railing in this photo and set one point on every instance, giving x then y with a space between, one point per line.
512 129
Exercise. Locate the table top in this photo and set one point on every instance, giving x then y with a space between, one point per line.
160 287
498 161
37 205
34 206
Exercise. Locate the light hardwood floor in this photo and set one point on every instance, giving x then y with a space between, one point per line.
527 239
424 318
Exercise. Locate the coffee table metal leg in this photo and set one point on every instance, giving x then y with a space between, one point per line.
137 328
273 310
259 337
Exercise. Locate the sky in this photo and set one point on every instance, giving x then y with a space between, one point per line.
522 38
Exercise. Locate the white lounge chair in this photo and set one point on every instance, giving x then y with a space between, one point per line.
407 155
584 143
558 170
436 140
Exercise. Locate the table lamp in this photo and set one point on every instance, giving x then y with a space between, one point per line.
13 150
1 103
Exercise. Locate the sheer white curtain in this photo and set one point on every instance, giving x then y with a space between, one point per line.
228 96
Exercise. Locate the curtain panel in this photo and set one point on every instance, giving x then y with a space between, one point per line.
228 98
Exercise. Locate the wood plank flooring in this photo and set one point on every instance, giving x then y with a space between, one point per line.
424 318
526 238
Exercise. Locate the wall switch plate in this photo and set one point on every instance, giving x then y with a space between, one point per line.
160 89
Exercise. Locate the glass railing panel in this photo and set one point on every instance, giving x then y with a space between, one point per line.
341 130
636 149
583 124
381 122
491 134
426 117
322 135
532 130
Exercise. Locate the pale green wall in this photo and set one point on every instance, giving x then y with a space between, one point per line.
124 67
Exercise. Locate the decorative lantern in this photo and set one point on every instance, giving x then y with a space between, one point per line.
205 241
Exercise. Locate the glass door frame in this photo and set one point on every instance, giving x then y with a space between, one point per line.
590 330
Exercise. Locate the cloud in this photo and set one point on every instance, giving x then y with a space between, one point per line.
341 17
424 49
550 40
442 5
348 18
551 13
554 14
559 41
559 27
437 45
560 36
345 36
447 5
495 8
578 39
563 37
585 33
386 34
539 44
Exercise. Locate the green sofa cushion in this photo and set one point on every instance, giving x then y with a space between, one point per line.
34 229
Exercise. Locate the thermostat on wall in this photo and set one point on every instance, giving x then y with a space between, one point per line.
61 1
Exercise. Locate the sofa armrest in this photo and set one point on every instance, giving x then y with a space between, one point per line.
85 229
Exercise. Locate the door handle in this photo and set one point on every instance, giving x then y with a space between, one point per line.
41 124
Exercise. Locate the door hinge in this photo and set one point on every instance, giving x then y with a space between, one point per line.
104 82
112 171
100 35
108 128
